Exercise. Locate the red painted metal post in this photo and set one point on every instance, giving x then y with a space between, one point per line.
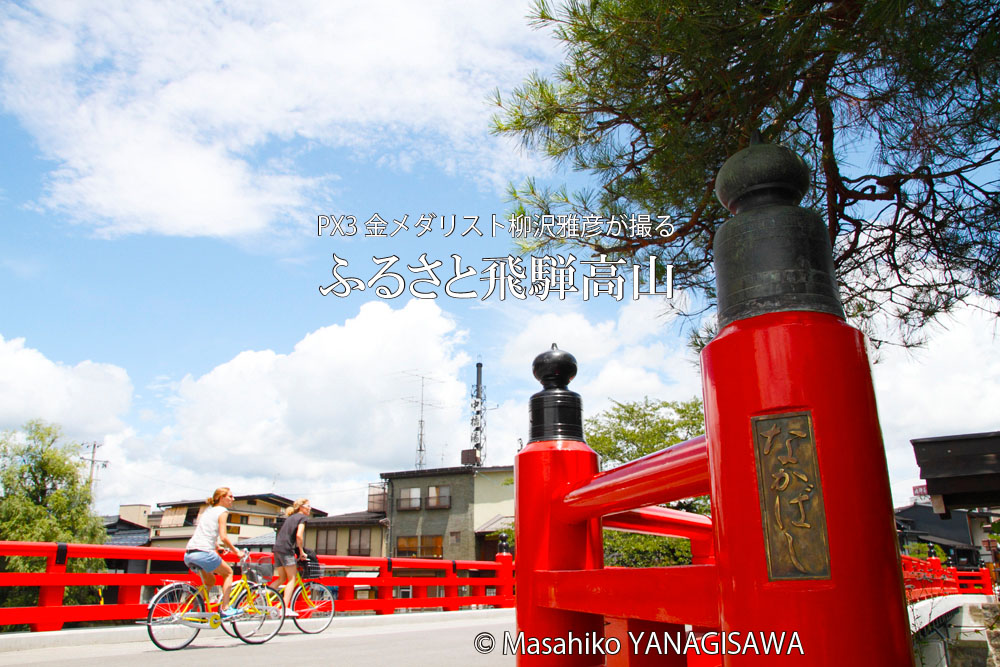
450 590
385 587
985 582
555 459
632 632
52 596
800 491
129 594
505 574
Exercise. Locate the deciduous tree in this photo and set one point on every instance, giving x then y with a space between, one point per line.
630 430
44 497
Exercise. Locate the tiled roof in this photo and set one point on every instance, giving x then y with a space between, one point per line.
129 538
272 498
498 522
349 519
265 540
440 472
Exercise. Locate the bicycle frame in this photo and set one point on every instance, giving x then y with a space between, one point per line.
211 617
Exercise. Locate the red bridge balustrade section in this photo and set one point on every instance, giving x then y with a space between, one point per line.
429 583
928 579
461 583
802 542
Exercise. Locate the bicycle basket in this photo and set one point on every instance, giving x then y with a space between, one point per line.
310 568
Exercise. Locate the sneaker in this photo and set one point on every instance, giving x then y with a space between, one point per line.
229 613
291 613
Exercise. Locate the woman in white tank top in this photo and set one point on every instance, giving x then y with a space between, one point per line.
201 553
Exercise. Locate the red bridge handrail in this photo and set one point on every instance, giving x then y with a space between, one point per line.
674 473
462 583
927 578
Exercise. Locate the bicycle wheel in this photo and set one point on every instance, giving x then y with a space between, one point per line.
261 613
313 602
174 616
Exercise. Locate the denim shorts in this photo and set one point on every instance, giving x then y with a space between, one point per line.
208 561
283 559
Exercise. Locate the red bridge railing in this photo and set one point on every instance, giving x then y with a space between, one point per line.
927 578
793 460
923 578
564 592
450 585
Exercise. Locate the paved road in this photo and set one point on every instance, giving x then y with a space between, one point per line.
433 639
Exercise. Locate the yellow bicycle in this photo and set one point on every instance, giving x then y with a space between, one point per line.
179 611
312 605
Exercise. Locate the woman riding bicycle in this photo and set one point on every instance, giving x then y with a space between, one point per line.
201 553
289 544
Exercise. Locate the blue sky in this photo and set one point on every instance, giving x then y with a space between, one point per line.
164 167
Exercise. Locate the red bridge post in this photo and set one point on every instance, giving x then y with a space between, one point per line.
505 573
800 491
555 459
52 596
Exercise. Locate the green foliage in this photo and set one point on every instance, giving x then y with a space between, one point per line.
44 497
925 550
623 549
631 430
895 106
628 431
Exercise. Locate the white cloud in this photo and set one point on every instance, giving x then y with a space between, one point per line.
635 355
158 114
951 387
625 355
87 400
321 421
324 419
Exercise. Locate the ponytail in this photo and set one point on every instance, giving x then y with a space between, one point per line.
289 511
217 496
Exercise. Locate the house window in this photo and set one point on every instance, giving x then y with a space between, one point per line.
407 546
409 499
238 518
191 516
326 541
454 538
431 546
233 530
361 542
438 497
173 517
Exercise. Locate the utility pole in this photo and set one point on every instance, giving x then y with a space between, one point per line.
95 463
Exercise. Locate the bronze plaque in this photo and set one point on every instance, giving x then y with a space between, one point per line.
791 497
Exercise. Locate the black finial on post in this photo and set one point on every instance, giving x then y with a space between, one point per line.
502 546
772 255
556 413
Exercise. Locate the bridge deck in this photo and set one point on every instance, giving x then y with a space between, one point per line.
437 639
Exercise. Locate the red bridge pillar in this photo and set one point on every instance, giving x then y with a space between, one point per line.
800 492
555 458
